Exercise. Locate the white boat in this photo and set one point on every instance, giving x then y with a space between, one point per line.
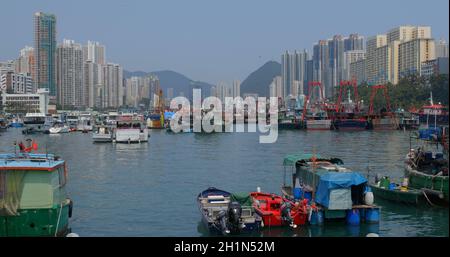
131 128
37 122
84 122
103 134
72 120
59 128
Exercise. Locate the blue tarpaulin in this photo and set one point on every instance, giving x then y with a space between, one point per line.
336 180
168 115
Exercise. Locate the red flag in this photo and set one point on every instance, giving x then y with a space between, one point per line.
35 145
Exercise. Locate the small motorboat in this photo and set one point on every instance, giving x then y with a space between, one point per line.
103 134
16 123
278 211
223 213
59 128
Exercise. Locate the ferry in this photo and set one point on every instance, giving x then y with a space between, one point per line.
131 129
333 191
35 202
36 122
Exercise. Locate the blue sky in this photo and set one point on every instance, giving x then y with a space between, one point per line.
211 40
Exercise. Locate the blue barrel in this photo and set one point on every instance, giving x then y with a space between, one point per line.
372 215
353 217
428 156
439 156
297 193
392 186
308 195
317 218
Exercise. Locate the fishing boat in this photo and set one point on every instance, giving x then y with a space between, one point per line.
428 172
225 213
59 128
16 123
103 134
436 114
36 122
318 121
33 198
84 122
3 124
408 120
131 129
387 190
332 190
348 118
278 211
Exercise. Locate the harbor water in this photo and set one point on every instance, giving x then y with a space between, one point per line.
150 189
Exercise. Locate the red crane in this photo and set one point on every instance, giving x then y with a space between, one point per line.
373 93
311 85
342 85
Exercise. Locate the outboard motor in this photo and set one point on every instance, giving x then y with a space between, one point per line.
234 216
286 214
222 223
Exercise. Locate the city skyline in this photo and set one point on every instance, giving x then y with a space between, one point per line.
189 47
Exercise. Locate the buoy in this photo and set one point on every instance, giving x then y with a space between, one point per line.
72 235
372 215
368 198
258 189
372 235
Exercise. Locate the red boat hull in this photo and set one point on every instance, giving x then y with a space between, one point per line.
268 206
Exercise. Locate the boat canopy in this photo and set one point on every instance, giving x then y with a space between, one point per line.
244 199
336 180
291 159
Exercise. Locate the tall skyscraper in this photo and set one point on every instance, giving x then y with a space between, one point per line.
276 87
113 85
94 52
441 49
93 84
236 88
336 62
354 42
69 74
293 69
45 51
321 67
349 58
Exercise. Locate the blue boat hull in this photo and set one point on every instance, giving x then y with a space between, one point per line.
16 125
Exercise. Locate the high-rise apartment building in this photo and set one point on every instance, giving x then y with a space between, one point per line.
25 62
45 52
354 42
94 52
236 90
69 74
276 87
349 58
441 49
293 72
16 83
93 84
112 95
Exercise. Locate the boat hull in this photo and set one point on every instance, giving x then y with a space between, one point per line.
318 124
37 222
409 197
419 180
350 124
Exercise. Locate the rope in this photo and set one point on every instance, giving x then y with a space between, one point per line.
59 217
426 197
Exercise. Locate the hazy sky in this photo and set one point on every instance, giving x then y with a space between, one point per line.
211 40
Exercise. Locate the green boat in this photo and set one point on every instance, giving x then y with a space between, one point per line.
33 199
428 172
409 196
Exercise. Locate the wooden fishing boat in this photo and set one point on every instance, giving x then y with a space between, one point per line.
428 171
225 213
407 196
33 199
277 211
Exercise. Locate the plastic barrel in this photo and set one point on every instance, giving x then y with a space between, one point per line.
308 195
372 215
297 193
439 156
392 186
353 217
